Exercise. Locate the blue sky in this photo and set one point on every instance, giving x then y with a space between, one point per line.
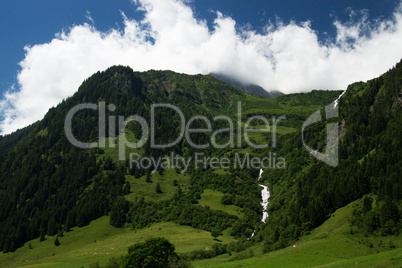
257 41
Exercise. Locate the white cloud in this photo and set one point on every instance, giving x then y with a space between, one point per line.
287 57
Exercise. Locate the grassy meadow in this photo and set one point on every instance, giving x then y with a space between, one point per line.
99 241
330 245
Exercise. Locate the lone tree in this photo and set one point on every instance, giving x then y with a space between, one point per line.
216 232
56 241
158 188
148 177
154 252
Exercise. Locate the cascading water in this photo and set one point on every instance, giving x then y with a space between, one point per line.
264 203
337 100
265 197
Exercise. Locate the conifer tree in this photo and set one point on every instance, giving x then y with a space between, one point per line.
56 241
158 188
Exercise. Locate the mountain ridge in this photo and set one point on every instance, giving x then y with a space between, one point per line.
250 88
47 186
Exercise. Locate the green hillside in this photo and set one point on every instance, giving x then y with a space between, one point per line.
119 194
99 241
332 244
369 136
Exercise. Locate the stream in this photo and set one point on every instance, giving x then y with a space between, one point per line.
337 100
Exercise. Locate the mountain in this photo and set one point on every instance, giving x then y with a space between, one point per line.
308 191
50 188
248 88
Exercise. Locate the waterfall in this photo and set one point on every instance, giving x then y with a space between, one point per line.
265 197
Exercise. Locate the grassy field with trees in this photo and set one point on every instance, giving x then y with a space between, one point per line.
71 207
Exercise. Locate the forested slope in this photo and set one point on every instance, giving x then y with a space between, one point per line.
370 136
48 186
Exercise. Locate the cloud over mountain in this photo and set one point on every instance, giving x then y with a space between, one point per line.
286 57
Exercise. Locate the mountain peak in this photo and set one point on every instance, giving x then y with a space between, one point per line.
253 89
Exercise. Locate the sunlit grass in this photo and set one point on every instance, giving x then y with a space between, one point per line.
140 188
98 241
213 199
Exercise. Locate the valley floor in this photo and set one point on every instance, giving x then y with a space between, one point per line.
330 245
